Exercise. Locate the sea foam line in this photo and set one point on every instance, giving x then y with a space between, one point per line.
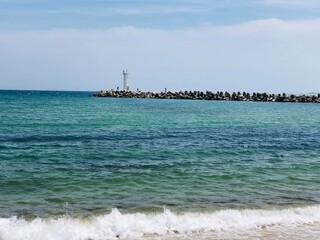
116 225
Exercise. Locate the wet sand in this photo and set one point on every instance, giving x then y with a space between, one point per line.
292 232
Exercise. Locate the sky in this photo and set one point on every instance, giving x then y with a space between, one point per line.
215 45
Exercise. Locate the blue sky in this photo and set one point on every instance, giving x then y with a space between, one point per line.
249 45
163 14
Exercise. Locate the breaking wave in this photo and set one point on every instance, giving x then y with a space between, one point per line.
116 225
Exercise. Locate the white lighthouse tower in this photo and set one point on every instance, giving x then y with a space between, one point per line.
125 80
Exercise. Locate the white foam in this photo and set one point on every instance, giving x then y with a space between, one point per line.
116 225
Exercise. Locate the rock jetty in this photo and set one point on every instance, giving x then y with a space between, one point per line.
208 95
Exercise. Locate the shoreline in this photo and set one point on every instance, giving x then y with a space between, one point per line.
294 223
208 95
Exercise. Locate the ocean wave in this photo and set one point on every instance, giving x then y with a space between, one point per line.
116 225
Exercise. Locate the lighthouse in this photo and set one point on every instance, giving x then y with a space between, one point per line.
125 80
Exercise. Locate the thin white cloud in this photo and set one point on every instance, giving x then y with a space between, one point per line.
300 3
269 55
293 27
49 11
155 9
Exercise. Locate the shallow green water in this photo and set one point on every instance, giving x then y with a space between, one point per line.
66 152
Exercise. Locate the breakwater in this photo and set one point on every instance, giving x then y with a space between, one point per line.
208 95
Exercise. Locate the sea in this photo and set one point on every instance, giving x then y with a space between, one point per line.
76 167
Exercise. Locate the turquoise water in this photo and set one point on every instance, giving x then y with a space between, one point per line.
68 154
